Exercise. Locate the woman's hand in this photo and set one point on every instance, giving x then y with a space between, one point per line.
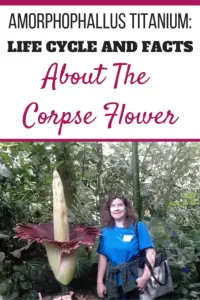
141 283
101 290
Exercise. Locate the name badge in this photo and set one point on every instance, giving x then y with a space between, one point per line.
127 238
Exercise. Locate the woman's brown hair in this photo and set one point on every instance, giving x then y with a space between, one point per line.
130 216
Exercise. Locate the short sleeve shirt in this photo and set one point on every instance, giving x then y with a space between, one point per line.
120 244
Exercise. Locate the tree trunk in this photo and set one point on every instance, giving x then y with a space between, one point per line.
100 189
66 173
136 180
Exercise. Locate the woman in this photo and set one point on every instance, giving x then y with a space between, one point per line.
118 247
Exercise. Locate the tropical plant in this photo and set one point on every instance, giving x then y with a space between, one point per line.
60 239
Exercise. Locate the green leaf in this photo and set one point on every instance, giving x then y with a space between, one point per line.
82 268
194 294
14 151
26 285
4 236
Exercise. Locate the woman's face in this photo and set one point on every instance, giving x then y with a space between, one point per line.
117 209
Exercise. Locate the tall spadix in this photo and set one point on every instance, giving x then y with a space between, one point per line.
60 217
63 264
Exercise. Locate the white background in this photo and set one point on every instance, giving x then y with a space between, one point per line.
174 83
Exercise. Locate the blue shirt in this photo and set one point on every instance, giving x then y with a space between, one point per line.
120 244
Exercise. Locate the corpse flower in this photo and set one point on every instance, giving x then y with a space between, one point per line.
59 238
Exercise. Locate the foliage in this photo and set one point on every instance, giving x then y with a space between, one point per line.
182 250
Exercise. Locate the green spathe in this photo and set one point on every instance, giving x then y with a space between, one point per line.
63 266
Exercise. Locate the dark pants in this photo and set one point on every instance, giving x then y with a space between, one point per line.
133 295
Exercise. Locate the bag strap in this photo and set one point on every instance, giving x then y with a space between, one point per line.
152 273
148 263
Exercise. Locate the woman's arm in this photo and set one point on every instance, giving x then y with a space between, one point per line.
101 289
101 268
150 255
142 281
